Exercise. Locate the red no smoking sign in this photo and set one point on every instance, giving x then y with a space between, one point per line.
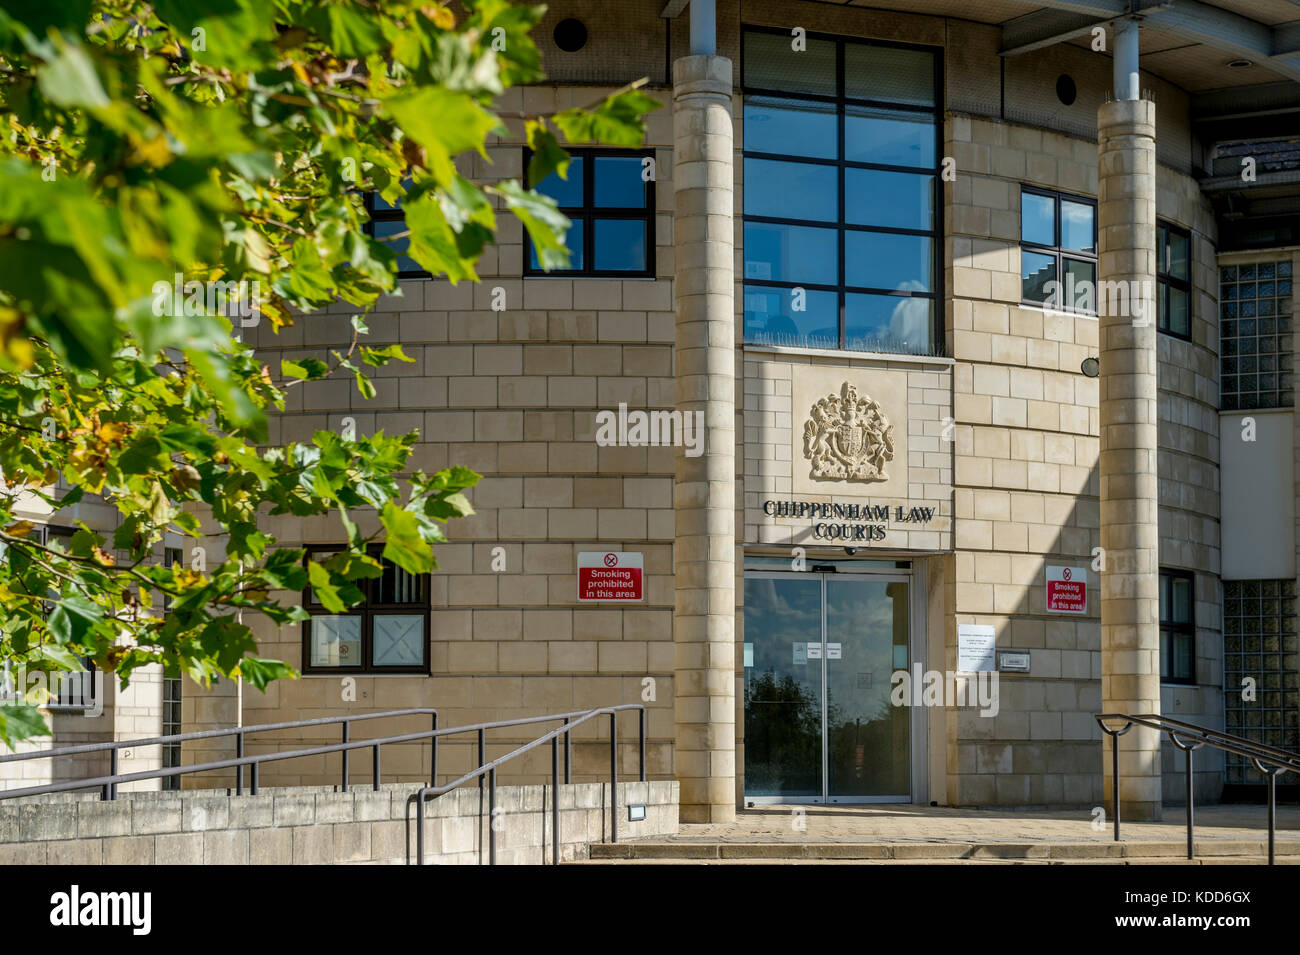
610 575
1067 590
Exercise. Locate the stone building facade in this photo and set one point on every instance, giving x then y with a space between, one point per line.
870 500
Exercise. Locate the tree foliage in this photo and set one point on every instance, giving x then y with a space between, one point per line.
153 151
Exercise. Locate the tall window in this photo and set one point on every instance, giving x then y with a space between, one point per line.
1058 251
75 690
841 194
389 220
386 633
1177 626
1173 286
171 717
1255 336
609 197
1260 642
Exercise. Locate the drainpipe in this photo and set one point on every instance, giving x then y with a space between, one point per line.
704 29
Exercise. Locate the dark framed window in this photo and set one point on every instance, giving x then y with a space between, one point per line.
609 197
171 726
1173 281
77 690
388 632
1255 346
389 220
842 197
1177 626
1058 251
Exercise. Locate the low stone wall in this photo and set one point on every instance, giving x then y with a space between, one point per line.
318 826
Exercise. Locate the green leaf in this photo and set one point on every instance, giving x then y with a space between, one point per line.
445 122
547 154
404 546
20 721
545 223
70 80
259 672
323 590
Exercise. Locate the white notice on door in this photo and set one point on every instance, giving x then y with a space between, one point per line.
800 654
814 651
832 651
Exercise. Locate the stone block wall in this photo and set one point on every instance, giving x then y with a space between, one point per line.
315 826
1025 469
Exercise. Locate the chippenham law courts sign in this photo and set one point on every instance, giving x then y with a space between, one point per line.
849 522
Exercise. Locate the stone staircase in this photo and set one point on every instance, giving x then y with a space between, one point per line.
1165 852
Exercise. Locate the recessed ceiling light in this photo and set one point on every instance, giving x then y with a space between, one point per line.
1239 64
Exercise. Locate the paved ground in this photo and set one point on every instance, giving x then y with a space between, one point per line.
894 824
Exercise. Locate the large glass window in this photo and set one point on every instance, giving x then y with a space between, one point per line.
608 195
1058 251
1173 272
1177 626
1260 644
386 633
1255 336
841 194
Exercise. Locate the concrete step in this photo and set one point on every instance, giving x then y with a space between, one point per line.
1208 852
1157 860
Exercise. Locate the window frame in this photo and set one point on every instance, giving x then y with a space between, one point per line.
1055 250
588 213
1170 626
367 610
389 215
1165 280
85 677
841 101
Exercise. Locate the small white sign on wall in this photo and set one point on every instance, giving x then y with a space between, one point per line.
976 643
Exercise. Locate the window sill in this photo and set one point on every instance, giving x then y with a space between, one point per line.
852 355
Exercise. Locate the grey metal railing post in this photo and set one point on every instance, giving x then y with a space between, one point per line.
239 770
492 816
252 778
482 756
1190 810
613 777
376 768
555 800
1114 779
641 727
112 771
347 737
1272 813
433 754
568 755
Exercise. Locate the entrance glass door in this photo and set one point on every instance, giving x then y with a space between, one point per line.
820 649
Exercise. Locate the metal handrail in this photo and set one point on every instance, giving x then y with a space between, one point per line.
1270 761
109 782
489 769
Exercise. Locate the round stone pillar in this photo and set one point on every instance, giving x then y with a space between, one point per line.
1130 539
704 488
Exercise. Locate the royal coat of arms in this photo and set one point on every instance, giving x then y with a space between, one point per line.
848 437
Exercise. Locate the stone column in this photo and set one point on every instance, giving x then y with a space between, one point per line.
1130 631
704 487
